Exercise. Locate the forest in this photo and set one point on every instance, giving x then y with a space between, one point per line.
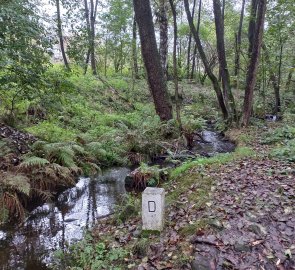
101 99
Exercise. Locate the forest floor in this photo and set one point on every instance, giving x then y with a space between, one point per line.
236 215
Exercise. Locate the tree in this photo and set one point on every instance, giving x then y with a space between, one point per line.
23 48
60 35
90 16
175 71
254 50
163 21
205 61
224 72
238 42
151 58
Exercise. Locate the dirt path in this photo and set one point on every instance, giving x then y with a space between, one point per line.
249 223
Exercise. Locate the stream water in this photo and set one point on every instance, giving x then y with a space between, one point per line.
54 225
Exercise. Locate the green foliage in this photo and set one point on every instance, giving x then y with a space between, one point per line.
88 254
281 134
51 132
240 152
129 207
286 152
23 46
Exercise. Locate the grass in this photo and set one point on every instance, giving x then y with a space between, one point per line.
219 159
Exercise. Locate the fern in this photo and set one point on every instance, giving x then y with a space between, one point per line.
16 182
34 162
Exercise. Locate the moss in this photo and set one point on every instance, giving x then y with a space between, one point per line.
191 229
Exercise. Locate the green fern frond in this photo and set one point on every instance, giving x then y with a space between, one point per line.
33 162
16 182
38 146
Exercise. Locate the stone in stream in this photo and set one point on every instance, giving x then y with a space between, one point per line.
153 207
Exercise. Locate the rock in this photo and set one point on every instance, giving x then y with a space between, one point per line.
242 246
203 263
136 233
257 229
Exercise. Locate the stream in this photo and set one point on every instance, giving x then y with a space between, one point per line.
53 226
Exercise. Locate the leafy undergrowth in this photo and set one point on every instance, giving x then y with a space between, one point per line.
232 211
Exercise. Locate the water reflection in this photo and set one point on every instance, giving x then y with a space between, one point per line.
55 225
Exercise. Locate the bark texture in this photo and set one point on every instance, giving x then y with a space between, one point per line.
60 35
219 26
175 69
254 61
151 58
163 21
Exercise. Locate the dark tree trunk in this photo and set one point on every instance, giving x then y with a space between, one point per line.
238 38
134 49
189 46
219 26
60 35
202 54
175 69
163 21
254 61
194 62
252 25
151 58
274 80
90 26
92 36
289 79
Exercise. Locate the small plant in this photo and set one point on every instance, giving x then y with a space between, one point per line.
88 254
286 152
281 134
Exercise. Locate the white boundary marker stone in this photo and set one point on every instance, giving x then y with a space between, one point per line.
153 208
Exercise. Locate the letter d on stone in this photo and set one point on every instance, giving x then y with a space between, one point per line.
153 208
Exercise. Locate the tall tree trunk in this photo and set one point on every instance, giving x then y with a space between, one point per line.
238 38
92 36
151 57
252 25
194 62
175 69
202 54
289 79
163 21
195 49
60 35
188 62
254 61
134 49
274 80
219 27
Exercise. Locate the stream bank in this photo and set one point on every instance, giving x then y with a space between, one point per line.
56 225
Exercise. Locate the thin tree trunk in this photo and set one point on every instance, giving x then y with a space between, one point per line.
289 79
92 36
238 45
175 69
202 54
189 45
254 61
163 20
134 49
88 35
194 62
106 56
151 57
60 36
219 27
274 80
